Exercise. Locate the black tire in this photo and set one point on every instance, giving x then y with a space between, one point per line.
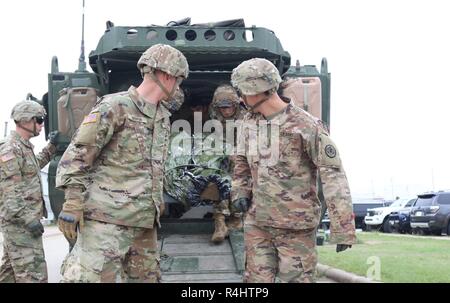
364 226
437 232
386 226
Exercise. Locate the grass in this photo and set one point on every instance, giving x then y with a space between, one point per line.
402 259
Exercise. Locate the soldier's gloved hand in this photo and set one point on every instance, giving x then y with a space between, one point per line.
224 189
70 217
193 197
35 228
52 136
342 247
241 205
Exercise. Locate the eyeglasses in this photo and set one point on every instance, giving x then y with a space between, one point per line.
39 120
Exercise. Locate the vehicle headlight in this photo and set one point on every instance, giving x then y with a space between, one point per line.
378 212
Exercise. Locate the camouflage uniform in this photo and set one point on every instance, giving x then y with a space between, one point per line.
225 96
281 223
21 203
114 165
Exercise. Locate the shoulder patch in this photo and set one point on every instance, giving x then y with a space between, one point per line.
328 153
91 118
7 157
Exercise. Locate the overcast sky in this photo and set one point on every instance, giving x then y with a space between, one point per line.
389 64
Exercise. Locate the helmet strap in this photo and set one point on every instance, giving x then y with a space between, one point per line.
156 80
34 132
252 108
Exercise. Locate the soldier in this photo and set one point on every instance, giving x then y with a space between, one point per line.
22 204
224 107
112 175
281 195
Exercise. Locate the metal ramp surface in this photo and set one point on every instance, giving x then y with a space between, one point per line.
193 258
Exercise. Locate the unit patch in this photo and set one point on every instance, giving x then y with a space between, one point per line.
330 151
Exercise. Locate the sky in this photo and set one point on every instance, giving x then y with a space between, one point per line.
389 64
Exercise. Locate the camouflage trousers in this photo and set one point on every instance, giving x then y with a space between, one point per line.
113 253
223 207
23 258
288 255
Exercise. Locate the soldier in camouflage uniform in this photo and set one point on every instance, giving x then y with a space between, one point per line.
281 193
224 107
21 203
112 175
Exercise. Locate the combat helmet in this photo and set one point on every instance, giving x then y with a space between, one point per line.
175 103
255 76
165 58
225 96
27 110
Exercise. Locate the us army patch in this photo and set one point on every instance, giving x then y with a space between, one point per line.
91 118
7 157
330 151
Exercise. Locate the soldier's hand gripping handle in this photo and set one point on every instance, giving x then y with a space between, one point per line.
35 227
53 137
71 216
241 205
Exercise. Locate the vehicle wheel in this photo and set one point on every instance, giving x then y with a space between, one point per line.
448 229
386 226
437 232
368 227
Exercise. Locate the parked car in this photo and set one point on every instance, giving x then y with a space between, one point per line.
400 220
378 218
431 213
360 207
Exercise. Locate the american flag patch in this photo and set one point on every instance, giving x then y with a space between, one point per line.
7 157
91 118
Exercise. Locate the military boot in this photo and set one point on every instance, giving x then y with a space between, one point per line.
221 230
234 223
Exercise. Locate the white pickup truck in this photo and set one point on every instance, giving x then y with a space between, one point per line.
379 217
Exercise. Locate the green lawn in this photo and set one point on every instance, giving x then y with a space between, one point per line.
402 259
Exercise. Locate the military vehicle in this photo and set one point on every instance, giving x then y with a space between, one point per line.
212 50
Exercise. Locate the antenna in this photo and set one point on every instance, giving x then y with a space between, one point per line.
81 61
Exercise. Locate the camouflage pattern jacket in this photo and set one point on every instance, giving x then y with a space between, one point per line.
20 180
284 191
115 161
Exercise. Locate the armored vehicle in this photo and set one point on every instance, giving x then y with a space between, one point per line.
212 50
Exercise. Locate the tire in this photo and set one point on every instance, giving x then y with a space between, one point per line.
448 229
386 226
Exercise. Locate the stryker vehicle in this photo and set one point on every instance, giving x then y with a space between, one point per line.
212 50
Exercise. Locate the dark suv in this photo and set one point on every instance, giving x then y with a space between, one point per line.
431 213
400 220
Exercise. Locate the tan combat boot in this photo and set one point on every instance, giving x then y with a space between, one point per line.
234 223
221 230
